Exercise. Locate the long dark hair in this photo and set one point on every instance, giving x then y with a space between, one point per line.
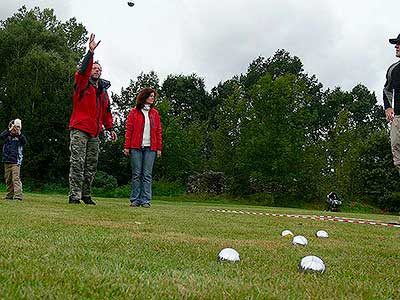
143 95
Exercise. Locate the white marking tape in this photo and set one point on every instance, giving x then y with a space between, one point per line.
311 217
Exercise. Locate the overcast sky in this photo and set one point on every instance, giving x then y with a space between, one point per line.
342 42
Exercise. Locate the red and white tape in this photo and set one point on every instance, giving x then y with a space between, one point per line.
310 217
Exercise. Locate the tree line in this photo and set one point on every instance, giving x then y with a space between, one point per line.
272 130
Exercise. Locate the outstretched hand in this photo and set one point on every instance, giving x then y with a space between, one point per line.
92 43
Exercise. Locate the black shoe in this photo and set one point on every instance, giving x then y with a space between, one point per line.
8 198
73 201
134 204
146 205
88 200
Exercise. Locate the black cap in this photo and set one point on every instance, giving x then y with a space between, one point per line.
395 40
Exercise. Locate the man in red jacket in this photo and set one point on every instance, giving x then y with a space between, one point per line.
91 111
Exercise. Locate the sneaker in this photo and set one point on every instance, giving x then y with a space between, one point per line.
146 205
88 200
8 198
134 204
73 201
18 198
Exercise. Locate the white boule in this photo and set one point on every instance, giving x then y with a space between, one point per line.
322 234
228 254
299 240
287 233
312 263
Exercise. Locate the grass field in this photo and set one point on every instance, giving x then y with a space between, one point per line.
52 250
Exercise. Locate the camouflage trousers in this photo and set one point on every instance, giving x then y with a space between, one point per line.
83 163
13 181
395 140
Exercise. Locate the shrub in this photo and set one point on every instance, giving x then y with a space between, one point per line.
390 202
55 188
104 181
208 182
161 188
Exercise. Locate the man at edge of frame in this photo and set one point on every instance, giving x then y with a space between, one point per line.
391 102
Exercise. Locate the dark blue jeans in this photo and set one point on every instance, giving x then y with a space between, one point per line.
142 161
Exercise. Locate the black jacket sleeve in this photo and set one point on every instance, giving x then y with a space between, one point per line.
85 63
388 91
4 134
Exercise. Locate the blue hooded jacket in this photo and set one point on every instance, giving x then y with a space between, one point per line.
13 147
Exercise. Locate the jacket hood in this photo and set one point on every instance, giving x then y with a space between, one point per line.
104 83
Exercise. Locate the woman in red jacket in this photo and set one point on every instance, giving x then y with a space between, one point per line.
143 141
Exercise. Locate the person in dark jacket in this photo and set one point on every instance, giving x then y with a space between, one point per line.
91 111
14 142
391 102
143 141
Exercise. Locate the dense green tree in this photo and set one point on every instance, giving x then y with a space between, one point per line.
39 55
227 123
188 97
273 136
280 64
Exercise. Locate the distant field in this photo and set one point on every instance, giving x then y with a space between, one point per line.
52 250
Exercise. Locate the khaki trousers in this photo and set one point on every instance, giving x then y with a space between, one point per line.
13 181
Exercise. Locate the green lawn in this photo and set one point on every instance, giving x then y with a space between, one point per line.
52 250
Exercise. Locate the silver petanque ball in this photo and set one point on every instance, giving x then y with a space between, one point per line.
287 233
228 254
312 263
299 240
322 234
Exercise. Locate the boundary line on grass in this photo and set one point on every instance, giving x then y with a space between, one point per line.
310 217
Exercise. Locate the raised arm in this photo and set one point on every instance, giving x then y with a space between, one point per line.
85 69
